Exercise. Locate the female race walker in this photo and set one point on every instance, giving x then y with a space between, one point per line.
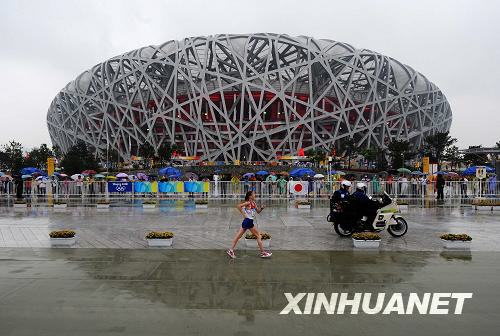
248 210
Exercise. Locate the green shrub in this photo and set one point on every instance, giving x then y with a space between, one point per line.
201 202
453 236
159 235
149 202
366 236
62 234
486 202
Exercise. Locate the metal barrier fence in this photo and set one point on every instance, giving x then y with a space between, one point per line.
265 189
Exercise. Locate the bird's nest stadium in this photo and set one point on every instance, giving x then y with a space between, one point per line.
246 97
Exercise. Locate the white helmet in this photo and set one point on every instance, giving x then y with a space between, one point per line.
346 183
360 185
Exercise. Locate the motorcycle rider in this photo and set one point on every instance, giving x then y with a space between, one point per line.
342 193
365 205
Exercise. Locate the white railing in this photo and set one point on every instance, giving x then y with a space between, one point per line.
223 189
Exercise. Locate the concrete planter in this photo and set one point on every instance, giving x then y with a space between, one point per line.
60 206
20 205
486 208
201 206
149 206
63 241
253 243
160 242
303 206
456 244
102 206
366 244
403 207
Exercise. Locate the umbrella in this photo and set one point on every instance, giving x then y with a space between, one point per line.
75 176
41 178
452 173
416 172
132 177
110 177
63 175
142 176
2 173
170 171
284 173
404 170
26 176
121 175
89 172
32 171
5 178
99 176
472 170
340 172
383 172
320 176
261 172
191 175
440 173
248 175
301 172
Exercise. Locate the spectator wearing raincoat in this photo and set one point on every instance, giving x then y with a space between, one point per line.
375 184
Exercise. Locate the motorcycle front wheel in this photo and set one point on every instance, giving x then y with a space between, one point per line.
342 230
399 229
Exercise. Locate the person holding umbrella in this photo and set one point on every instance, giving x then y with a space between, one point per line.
440 186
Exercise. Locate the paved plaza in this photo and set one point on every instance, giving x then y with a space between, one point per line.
125 225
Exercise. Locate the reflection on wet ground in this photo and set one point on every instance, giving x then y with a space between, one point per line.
202 292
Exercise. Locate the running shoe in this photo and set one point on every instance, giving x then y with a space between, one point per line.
231 254
265 254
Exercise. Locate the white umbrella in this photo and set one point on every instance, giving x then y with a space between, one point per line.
75 176
319 176
132 177
121 175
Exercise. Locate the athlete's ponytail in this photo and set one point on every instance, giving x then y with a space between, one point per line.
248 194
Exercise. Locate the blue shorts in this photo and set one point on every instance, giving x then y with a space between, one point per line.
247 224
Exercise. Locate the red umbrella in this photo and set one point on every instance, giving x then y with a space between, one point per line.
89 172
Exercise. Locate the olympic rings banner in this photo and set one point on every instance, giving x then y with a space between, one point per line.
120 187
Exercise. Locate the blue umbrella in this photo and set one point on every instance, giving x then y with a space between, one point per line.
440 173
2 173
472 170
299 172
261 172
32 170
169 171
24 177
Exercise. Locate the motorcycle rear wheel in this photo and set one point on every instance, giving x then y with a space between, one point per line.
342 231
399 229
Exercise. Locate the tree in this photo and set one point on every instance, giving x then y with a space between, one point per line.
316 156
12 156
147 151
165 151
78 158
435 145
476 159
38 156
400 151
370 156
453 155
350 148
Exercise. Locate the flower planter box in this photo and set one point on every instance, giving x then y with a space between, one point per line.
149 206
484 208
366 244
60 206
201 206
102 206
160 242
62 241
303 206
253 243
456 244
20 205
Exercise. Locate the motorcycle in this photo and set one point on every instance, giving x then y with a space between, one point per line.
346 220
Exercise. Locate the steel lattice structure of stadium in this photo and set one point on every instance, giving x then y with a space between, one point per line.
247 97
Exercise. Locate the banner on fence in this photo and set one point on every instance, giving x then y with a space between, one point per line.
120 187
298 187
196 186
173 186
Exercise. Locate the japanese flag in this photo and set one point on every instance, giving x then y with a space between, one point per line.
298 187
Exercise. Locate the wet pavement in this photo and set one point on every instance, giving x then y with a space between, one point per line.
202 292
213 228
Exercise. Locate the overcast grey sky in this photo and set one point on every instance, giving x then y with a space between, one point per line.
46 44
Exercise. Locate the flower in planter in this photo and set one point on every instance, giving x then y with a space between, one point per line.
159 235
19 202
201 202
302 202
398 202
486 202
263 236
103 202
62 234
366 236
457 237
149 202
